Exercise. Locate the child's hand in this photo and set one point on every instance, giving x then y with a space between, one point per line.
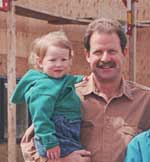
53 153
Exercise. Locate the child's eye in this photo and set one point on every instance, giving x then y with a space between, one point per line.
52 60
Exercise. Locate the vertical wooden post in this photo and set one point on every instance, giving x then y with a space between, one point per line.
132 44
11 76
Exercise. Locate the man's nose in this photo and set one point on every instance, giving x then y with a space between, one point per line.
105 56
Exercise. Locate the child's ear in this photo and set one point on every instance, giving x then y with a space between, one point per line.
39 62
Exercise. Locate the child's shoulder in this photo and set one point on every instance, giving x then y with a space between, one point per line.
75 78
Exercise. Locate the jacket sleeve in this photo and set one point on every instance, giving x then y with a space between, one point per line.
42 101
133 153
78 78
41 108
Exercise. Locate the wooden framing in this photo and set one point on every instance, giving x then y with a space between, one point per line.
51 18
11 60
11 76
132 43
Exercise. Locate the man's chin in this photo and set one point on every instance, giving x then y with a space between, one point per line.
106 78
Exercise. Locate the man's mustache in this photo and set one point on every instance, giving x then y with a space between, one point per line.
109 64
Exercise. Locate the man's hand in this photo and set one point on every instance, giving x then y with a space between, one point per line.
76 156
53 153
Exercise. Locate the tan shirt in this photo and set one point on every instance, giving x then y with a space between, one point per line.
109 126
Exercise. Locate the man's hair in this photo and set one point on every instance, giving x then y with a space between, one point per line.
40 45
105 26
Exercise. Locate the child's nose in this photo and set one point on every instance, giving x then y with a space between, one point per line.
58 63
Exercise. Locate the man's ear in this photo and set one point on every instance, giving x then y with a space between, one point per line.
126 51
70 61
87 55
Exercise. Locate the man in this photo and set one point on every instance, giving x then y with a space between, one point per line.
114 110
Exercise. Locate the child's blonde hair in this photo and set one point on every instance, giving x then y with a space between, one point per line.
40 45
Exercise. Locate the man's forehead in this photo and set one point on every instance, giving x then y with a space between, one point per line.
104 38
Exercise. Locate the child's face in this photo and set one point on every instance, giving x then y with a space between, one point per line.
56 62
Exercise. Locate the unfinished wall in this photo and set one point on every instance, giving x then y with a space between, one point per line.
28 29
89 8
4 153
143 56
80 8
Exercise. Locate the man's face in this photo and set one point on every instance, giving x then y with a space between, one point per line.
105 56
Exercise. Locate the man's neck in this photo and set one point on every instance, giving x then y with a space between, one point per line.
108 90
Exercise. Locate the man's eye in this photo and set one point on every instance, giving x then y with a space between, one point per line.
112 52
64 59
98 53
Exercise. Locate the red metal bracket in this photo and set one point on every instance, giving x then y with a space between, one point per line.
4 5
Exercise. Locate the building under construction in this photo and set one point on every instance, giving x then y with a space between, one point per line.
21 21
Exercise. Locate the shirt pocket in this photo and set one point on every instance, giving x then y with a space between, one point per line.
89 135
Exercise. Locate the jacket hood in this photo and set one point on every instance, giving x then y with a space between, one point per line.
25 84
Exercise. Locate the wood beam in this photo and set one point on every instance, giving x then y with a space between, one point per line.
132 44
11 77
43 15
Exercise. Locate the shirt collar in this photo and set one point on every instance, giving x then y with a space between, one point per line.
126 89
90 87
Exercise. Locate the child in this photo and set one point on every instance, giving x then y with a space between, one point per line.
138 149
49 91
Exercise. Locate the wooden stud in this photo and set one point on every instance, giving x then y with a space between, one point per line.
132 44
11 76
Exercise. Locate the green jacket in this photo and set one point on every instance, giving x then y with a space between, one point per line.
45 97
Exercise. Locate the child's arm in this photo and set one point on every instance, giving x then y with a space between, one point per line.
42 103
53 153
41 108
78 78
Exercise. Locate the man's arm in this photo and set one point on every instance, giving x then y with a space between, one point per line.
30 154
76 156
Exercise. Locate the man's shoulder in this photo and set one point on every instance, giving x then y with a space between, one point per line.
136 87
83 82
83 87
